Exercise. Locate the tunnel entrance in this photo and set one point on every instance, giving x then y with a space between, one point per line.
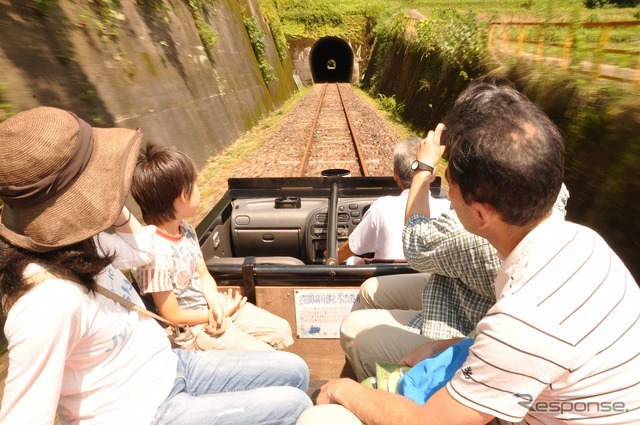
331 61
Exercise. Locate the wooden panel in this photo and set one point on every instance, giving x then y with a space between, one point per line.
325 357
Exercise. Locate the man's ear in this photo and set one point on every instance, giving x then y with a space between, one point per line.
485 214
397 179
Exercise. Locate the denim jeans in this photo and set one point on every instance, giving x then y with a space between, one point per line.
236 388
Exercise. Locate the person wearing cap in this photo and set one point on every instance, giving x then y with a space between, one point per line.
560 345
76 352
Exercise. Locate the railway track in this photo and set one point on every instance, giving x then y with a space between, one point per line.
332 143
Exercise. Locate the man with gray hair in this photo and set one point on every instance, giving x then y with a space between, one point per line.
380 230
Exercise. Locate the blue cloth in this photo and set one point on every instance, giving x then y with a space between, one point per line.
428 376
236 388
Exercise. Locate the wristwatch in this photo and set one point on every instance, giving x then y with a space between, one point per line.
419 165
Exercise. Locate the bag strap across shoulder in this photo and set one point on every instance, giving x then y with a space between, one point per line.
40 277
131 305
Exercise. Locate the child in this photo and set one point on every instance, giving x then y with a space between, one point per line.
164 185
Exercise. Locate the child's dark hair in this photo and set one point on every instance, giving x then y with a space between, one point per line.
161 175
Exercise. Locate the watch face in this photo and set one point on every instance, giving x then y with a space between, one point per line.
415 164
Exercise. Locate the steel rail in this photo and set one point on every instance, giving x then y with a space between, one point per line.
354 139
356 144
305 156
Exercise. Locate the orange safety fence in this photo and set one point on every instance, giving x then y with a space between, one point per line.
501 36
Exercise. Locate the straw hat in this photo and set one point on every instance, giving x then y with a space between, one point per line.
61 180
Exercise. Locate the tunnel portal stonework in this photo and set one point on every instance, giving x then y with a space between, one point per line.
328 59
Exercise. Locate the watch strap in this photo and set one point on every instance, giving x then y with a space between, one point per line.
423 166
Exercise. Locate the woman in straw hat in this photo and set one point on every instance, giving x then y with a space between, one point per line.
73 350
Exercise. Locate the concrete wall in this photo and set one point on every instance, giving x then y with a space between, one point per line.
154 73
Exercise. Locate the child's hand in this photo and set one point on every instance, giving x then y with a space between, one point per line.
217 323
232 302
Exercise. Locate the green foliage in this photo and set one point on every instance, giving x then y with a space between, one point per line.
6 108
86 91
155 7
43 6
109 12
314 15
64 56
199 9
458 37
592 4
390 105
259 44
351 20
417 76
270 13
527 4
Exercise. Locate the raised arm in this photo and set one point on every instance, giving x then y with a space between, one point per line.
429 152
132 243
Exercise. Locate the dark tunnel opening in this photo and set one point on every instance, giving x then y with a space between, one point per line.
331 61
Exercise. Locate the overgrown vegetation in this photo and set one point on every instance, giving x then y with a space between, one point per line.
591 4
350 20
259 45
43 6
458 38
109 13
270 13
6 108
199 10
524 10
156 8
390 105
445 52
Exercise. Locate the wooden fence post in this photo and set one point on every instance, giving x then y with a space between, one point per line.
490 42
504 36
636 81
521 40
540 52
566 51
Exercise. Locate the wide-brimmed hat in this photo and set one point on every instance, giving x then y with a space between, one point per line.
61 180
